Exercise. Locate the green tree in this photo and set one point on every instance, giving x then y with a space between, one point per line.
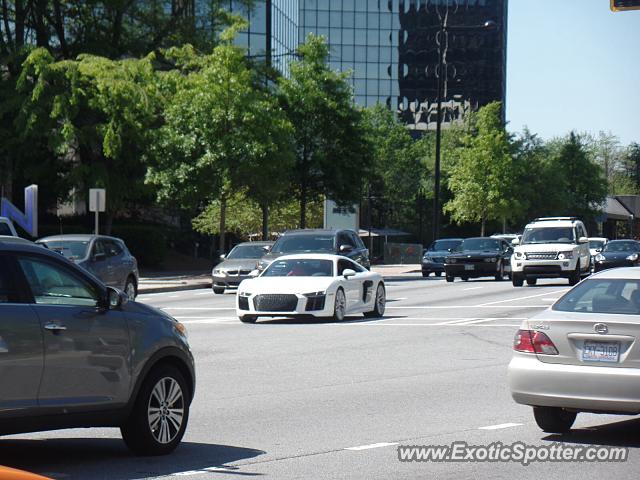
221 134
94 114
482 180
330 149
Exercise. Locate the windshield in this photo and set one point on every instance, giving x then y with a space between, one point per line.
5 230
602 296
548 235
481 244
72 249
622 247
300 268
304 243
444 245
595 244
246 251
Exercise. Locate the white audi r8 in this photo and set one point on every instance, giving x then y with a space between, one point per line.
318 285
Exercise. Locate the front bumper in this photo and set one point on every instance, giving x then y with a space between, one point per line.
476 269
544 268
576 387
599 266
428 267
304 307
228 281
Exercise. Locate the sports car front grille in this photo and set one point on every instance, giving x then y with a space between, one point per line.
542 255
315 303
275 303
243 303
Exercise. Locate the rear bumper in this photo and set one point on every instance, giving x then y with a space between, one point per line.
575 387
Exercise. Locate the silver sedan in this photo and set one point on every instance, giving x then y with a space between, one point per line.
583 353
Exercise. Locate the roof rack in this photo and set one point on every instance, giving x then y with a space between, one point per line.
549 219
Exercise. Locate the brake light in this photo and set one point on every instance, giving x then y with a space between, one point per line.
531 341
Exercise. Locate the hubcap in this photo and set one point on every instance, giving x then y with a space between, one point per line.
165 412
341 305
380 299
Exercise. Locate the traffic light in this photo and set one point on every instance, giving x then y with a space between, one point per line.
621 5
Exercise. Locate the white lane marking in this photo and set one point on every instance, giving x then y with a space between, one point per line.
199 308
373 445
471 288
397 299
203 293
545 294
550 299
500 426
443 307
205 321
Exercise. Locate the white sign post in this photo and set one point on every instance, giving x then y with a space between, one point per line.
97 203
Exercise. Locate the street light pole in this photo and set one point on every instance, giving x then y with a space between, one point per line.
443 40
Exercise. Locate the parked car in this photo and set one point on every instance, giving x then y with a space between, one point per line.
596 244
7 228
618 253
237 265
77 353
433 257
339 242
479 257
108 258
551 247
312 285
580 355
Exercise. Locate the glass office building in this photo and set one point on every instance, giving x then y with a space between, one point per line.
392 48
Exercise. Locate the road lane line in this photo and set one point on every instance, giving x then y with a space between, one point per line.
199 308
545 294
373 445
471 288
445 307
500 426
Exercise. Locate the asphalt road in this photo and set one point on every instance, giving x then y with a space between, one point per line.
300 399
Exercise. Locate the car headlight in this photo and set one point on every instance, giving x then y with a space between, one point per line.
262 264
565 255
633 257
599 257
219 271
315 294
518 255
427 258
490 260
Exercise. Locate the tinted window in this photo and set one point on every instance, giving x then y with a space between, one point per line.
548 235
112 248
8 291
345 239
304 243
299 268
481 244
247 251
444 245
602 296
5 230
596 244
52 284
616 246
72 249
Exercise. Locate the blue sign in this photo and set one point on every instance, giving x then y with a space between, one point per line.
27 220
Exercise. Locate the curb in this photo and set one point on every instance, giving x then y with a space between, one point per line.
174 288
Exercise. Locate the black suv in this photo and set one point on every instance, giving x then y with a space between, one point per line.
76 353
339 242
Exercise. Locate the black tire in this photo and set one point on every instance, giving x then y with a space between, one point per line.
532 281
379 305
438 274
517 280
425 274
339 313
131 288
574 278
248 318
218 290
500 275
464 279
137 431
450 278
553 419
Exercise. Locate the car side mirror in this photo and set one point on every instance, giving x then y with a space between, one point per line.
345 248
267 248
583 240
348 273
598 250
98 257
116 298
515 241
254 273
223 256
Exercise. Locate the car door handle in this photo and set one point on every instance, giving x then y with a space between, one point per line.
54 327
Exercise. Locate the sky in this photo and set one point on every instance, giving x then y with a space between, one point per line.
573 65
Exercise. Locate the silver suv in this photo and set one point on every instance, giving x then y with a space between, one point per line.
76 353
552 247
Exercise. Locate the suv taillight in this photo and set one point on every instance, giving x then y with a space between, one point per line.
532 341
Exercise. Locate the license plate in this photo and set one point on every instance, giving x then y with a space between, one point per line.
468 267
601 352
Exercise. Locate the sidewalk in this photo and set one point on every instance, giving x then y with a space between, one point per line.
178 281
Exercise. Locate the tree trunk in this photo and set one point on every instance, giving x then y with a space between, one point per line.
482 227
223 221
265 221
303 210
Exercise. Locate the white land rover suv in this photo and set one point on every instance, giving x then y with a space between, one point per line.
554 247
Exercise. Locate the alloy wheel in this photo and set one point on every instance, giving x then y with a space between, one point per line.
165 412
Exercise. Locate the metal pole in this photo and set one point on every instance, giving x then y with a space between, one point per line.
369 221
436 186
97 222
